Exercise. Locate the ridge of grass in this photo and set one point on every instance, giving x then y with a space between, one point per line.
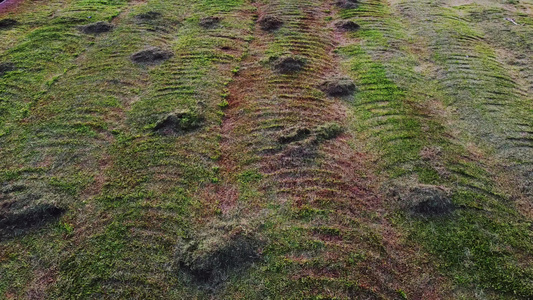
468 246
87 130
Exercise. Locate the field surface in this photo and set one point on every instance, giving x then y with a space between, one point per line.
266 149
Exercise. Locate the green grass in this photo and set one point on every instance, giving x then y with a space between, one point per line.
483 246
88 119
443 98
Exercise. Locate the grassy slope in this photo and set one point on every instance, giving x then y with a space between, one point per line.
444 98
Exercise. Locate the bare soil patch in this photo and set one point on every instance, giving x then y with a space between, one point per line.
12 223
347 4
6 67
96 28
270 23
338 87
7 23
346 25
288 64
152 55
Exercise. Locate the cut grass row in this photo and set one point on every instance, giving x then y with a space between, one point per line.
88 135
397 107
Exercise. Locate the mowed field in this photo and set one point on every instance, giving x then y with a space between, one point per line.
266 149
